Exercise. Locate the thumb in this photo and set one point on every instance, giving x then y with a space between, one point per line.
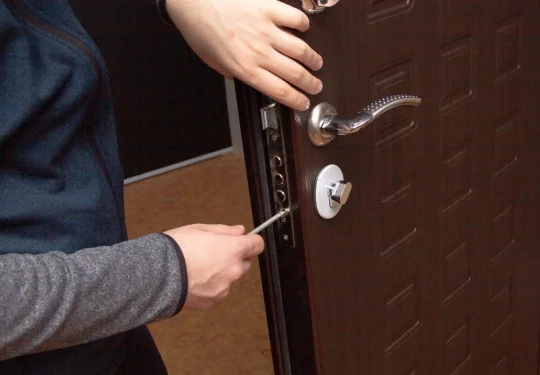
223 229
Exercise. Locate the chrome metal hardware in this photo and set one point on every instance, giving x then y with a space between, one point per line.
324 124
331 191
279 174
317 6
269 117
339 193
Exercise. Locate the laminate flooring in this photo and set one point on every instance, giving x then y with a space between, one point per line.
232 337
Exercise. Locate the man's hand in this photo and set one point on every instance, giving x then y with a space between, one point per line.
246 39
216 256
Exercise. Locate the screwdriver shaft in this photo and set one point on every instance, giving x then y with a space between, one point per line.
272 220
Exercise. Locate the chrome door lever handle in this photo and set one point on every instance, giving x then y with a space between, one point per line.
324 123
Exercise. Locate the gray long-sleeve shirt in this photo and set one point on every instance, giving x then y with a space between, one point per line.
55 300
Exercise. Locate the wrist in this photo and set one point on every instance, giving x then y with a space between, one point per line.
183 272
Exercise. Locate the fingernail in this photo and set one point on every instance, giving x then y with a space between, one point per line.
319 87
319 64
306 105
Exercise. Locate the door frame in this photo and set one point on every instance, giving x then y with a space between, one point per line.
286 335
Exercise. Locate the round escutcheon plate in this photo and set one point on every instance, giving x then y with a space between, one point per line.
327 176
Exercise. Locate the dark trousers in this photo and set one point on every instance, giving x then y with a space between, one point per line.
130 353
142 356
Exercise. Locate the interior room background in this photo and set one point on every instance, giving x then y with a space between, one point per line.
171 109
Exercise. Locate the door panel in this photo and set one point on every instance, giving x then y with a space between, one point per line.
370 267
432 266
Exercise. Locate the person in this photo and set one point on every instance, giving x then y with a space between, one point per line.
76 295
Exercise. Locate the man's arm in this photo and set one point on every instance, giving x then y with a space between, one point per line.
56 300
250 40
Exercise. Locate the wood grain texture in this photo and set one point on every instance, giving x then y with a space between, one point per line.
431 267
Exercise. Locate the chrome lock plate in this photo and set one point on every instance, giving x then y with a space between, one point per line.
279 173
331 191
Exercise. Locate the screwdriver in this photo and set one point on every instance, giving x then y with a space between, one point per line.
272 220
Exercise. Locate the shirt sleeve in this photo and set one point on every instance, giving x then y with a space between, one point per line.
55 300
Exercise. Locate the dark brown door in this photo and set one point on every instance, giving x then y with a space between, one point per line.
432 265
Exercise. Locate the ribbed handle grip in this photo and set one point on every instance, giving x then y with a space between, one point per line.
383 105
324 123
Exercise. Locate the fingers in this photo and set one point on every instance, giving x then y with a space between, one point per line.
250 245
280 73
222 229
237 272
294 73
297 49
223 294
279 90
247 265
288 16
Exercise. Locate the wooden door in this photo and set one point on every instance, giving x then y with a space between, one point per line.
432 265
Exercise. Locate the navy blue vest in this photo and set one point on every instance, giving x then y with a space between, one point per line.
61 182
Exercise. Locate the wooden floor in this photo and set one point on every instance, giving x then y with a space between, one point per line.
232 337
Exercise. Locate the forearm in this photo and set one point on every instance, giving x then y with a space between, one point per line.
57 300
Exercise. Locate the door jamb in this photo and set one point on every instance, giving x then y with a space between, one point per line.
283 269
254 154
